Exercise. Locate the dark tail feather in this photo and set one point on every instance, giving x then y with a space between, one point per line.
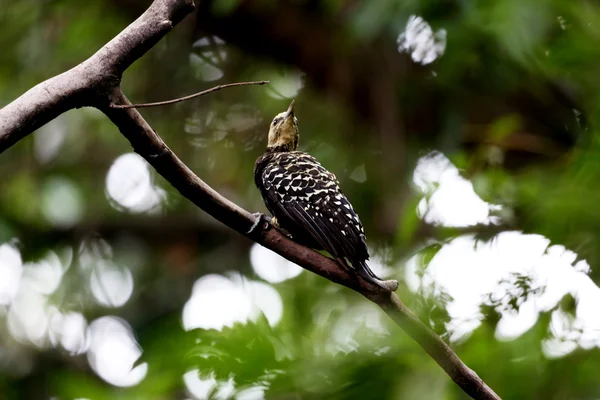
365 272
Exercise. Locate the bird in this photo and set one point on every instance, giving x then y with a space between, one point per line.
305 200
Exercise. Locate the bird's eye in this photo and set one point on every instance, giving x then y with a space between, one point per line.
276 120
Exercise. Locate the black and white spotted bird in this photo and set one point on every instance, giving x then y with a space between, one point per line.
306 200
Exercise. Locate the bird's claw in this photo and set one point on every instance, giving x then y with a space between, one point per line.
259 218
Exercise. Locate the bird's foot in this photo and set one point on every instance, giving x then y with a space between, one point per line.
261 218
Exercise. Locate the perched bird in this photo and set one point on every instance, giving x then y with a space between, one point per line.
306 200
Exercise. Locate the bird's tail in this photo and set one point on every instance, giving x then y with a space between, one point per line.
367 274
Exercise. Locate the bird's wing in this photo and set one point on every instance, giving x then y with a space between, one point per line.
308 195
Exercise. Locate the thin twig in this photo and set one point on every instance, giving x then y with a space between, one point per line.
191 96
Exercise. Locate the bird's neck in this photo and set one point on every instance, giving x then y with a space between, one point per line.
280 148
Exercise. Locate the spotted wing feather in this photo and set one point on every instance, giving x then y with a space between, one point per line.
308 202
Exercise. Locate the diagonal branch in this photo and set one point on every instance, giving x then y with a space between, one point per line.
150 146
86 84
96 81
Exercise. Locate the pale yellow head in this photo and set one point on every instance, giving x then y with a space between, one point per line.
283 132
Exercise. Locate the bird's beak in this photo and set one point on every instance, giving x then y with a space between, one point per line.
290 110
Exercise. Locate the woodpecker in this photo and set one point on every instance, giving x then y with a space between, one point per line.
305 199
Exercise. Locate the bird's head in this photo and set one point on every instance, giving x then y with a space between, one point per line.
283 132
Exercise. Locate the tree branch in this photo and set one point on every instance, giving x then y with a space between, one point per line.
87 83
191 96
150 146
95 82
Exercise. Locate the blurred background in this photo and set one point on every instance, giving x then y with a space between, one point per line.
462 131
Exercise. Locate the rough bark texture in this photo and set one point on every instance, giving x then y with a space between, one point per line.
87 83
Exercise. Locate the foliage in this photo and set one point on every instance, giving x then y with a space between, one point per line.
507 101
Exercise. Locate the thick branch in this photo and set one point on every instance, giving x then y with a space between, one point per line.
87 83
95 82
